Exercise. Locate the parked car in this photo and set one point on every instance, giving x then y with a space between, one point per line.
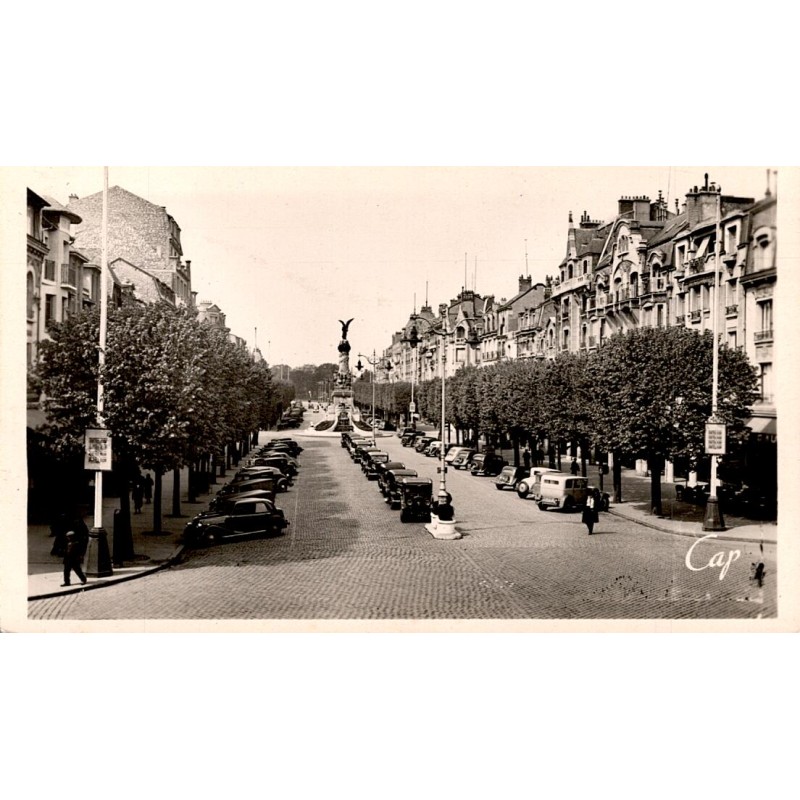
462 458
422 442
381 470
410 439
562 491
416 498
434 449
268 484
253 494
510 476
392 483
235 519
529 488
294 448
401 432
282 482
452 451
285 464
486 464
692 494
370 465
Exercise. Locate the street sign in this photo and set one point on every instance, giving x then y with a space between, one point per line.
412 407
97 454
715 438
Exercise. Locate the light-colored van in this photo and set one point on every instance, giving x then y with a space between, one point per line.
529 488
566 492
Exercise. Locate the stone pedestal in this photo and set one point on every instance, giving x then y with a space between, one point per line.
442 530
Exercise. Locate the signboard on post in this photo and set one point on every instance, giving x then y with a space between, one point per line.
715 438
412 408
97 444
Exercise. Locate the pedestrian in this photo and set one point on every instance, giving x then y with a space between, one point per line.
148 488
77 540
573 467
444 510
138 495
590 510
526 457
58 529
539 457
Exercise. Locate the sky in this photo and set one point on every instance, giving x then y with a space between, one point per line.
286 252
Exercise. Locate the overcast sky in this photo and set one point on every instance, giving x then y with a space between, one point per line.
289 251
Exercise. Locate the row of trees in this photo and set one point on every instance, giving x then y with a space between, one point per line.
176 392
645 394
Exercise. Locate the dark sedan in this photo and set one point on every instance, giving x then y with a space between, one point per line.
237 518
509 477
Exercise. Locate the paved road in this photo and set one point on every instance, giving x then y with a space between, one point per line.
346 555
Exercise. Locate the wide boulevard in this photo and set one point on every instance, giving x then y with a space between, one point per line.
346 555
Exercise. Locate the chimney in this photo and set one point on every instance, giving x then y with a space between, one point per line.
525 283
73 197
442 310
188 266
701 204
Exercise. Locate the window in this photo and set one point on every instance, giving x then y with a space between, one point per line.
680 256
30 295
49 308
731 239
64 309
31 222
732 340
660 316
766 383
763 250
622 245
766 315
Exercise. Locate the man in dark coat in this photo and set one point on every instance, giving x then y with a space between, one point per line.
77 541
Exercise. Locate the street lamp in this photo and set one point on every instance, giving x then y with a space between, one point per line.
374 361
413 340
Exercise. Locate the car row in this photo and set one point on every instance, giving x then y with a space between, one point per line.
244 507
402 488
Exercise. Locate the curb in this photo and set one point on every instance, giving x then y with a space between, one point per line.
662 529
110 581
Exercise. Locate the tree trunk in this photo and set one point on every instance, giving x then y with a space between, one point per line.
515 445
655 464
157 503
176 492
617 476
192 488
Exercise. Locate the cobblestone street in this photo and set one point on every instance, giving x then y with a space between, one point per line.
346 555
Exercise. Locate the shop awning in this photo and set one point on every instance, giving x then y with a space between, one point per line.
763 426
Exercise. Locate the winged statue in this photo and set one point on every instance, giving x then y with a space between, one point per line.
345 326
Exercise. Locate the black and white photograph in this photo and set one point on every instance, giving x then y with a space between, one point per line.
399 401
402 394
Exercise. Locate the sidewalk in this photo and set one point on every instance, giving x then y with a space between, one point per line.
152 552
683 519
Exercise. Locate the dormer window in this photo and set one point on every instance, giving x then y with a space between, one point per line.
622 244
763 249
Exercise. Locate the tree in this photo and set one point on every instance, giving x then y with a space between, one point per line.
651 391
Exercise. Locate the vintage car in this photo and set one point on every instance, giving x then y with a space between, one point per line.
288 466
357 446
286 444
416 498
484 464
236 518
562 491
381 470
392 485
236 487
283 482
434 449
510 476
528 488
401 432
362 453
422 442
410 439
462 458
252 494
370 463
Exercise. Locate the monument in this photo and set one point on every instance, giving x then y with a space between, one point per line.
342 395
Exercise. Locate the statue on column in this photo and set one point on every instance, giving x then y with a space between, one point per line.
343 378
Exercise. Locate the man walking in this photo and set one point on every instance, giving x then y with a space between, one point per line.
77 541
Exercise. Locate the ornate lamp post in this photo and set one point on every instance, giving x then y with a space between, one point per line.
374 361
413 341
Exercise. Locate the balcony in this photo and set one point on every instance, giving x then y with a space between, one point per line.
760 337
731 311
69 276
